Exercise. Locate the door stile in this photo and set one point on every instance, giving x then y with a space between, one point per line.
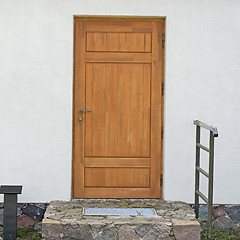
79 102
156 111
162 102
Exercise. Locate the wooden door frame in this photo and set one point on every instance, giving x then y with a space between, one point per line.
98 18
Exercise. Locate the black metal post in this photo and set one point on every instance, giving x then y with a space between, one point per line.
10 211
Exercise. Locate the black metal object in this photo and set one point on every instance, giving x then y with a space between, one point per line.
198 170
10 211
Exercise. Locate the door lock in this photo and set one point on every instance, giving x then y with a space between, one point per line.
80 118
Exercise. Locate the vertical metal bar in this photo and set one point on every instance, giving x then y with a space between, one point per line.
197 172
210 182
10 217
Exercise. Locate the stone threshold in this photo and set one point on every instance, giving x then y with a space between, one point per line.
173 220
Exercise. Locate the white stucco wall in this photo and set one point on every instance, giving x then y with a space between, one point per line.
202 79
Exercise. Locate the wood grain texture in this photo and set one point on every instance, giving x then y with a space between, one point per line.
118 74
118 42
118 162
118 57
119 27
156 113
113 192
119 109
162 99
79 100
117 177
111 131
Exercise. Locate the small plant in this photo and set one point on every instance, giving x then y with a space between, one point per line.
219 234
123 205
139 213
28 234
201 215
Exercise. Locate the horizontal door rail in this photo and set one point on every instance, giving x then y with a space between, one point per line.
202 171
198 170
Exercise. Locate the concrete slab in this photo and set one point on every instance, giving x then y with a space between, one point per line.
119 211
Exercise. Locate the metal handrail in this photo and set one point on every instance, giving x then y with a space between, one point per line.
198 170
206 126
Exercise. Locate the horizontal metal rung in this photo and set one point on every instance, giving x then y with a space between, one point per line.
202 147
202 171
202 196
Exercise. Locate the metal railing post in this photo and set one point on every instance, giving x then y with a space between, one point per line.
196 171
210 182
209 175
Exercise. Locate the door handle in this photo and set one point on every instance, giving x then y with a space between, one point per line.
83 111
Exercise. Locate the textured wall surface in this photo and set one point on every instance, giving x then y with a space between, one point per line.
36 74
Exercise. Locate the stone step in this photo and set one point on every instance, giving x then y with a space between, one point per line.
65 220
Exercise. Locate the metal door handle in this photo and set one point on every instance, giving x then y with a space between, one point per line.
83 111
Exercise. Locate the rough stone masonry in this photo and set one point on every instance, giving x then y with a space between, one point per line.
174 220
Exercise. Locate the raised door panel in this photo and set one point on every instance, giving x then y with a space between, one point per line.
118 42
119 98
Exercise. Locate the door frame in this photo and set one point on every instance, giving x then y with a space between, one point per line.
99 18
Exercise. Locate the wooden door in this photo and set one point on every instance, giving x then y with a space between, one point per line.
118 77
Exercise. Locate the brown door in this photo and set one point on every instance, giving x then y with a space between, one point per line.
118 77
